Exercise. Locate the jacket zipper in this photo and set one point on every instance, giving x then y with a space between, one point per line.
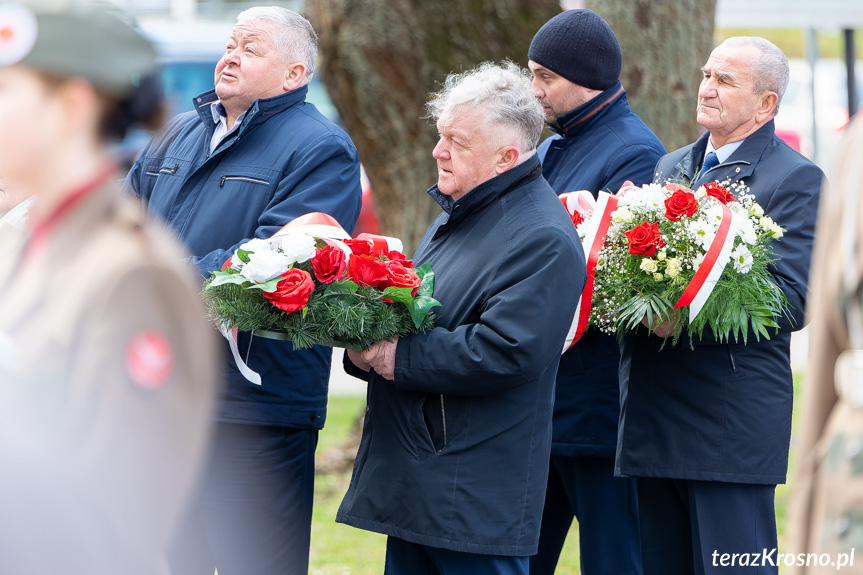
243 178
171 171
731 357
443 419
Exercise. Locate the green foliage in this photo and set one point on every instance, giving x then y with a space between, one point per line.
341 314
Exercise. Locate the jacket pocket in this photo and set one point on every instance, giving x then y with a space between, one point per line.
429 426
244 179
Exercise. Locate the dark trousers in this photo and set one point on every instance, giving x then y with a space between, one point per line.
253 512
607 511
405 558
687 526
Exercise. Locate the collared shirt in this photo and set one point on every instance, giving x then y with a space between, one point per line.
220 118
724 152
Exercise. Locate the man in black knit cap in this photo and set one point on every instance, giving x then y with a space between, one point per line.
599 143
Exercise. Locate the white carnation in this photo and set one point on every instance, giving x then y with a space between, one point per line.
742 259
298 248
265 265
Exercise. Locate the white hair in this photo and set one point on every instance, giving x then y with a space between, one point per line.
294 37
504 90
771 67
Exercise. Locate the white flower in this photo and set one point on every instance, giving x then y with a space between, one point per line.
698 261
256 245
661 255
648 265
703 231
648 196
622 214
673 263
672 272
298 248
746 230
264 266
756 210
658 277
742 259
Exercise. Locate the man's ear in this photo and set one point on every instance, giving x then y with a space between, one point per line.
295 76
767 106
508 158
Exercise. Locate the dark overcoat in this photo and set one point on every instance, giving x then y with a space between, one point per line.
722 412
455 450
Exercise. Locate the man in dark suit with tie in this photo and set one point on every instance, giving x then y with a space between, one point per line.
706 429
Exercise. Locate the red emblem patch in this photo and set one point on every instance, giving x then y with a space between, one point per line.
149 360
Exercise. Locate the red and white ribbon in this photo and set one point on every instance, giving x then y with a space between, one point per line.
231 336
382 244
596 230
582 202
701 286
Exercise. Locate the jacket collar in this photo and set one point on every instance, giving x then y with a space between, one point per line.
740 164
488 191
574 121
257 112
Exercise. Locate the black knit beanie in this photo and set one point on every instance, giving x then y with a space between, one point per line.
580 46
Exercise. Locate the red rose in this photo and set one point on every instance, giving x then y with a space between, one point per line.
292 293
360 247
576 218
644 239
329 264
682 203
367 270
400 276
719 192
395 256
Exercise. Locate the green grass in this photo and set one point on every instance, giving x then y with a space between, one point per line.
341 550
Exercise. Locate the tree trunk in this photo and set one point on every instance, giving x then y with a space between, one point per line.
664 43
380 59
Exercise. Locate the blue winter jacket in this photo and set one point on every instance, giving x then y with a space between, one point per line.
285 160
598 146
455 450
722 411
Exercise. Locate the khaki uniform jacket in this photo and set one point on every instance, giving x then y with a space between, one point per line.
826 508
108 372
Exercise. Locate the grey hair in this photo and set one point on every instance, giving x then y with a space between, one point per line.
503 89
771 67
294 37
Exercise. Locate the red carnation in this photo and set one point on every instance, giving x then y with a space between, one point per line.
719 192
329 264
576 218
644 239
292 293
367 270
680 204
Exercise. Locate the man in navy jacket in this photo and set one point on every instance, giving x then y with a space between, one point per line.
599 143
253 156
454 455
706 429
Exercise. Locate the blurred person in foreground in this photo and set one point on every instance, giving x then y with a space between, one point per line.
251 157
599 143
14 205
706 429
453 459
107 365
825 514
